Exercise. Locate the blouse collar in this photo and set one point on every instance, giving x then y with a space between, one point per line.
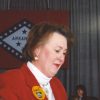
41 78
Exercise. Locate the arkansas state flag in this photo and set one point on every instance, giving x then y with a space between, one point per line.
14 28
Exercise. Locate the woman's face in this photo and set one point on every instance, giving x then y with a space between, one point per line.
80 92
51 55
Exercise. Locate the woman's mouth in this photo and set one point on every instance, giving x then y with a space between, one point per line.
57 65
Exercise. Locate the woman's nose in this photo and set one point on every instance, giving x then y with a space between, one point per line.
61 57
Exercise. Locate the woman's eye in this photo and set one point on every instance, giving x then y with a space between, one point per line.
57 51
64 53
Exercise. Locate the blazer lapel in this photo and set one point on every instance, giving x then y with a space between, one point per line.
30 79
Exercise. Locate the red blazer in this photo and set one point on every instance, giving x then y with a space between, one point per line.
17 84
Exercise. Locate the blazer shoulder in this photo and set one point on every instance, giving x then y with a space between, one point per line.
10 77
10 73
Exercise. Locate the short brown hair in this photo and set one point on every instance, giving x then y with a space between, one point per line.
40 33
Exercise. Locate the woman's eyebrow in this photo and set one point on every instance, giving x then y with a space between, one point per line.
62 48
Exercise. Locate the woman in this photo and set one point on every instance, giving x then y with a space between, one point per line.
45 51
80 93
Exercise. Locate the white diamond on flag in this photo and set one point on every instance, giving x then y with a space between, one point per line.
17 40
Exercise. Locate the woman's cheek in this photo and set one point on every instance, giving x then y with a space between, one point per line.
48 53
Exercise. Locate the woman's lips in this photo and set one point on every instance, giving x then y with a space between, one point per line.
57 65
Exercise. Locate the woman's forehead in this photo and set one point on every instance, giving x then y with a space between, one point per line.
57 40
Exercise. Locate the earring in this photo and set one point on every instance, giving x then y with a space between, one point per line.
36 58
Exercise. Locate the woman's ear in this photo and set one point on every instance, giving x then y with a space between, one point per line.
36 53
